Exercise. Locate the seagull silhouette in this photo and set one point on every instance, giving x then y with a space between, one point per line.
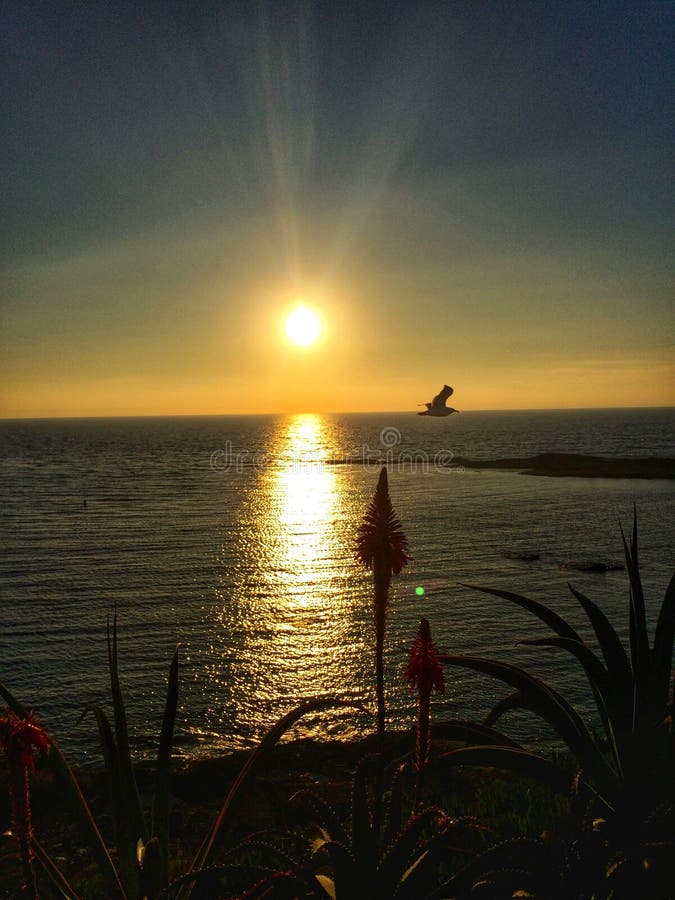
437 406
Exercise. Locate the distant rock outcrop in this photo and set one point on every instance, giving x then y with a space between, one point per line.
578 465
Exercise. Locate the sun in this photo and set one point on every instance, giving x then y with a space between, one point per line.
303 326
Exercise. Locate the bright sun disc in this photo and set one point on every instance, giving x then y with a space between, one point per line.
303 326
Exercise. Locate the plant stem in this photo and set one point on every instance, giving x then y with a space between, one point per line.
379 687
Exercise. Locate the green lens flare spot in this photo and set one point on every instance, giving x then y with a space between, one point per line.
419 591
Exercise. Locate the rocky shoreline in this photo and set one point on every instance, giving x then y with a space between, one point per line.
578 465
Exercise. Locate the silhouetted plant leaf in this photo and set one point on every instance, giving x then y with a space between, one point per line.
160 806
663 642
394 818
130 827
269 739
606 698
522 762
472 732
52 872
348 880
364 841
406 849
56 761
639 639
553 708
616 660
551 618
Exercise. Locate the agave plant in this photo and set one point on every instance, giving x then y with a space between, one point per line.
403 859
382 547
631 689
589 864
627 775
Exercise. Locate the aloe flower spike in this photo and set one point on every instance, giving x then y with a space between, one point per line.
381 547
424 671
18 737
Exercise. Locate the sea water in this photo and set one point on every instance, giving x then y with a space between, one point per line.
234 537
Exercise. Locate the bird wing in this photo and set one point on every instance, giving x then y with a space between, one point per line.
440 398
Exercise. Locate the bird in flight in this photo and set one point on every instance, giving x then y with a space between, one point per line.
437 406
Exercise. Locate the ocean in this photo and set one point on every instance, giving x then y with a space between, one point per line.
234 537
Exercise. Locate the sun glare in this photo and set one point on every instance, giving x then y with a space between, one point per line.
303 326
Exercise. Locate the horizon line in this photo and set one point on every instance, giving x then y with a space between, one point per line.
381 412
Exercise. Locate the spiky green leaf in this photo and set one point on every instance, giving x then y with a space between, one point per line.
347 878
322 814
406 848
616 660
553 708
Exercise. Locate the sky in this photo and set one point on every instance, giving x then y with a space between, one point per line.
479 194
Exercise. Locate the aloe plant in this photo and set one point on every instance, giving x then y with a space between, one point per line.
203 856
424 671
402 859
631 689
588 864
626 782
19 737
383 548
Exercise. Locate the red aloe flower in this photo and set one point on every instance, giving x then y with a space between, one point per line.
424 670
19 735
383 548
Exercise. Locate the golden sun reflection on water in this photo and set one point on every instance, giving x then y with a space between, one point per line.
291 618
304 498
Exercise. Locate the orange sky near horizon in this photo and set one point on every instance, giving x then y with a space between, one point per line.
480 196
